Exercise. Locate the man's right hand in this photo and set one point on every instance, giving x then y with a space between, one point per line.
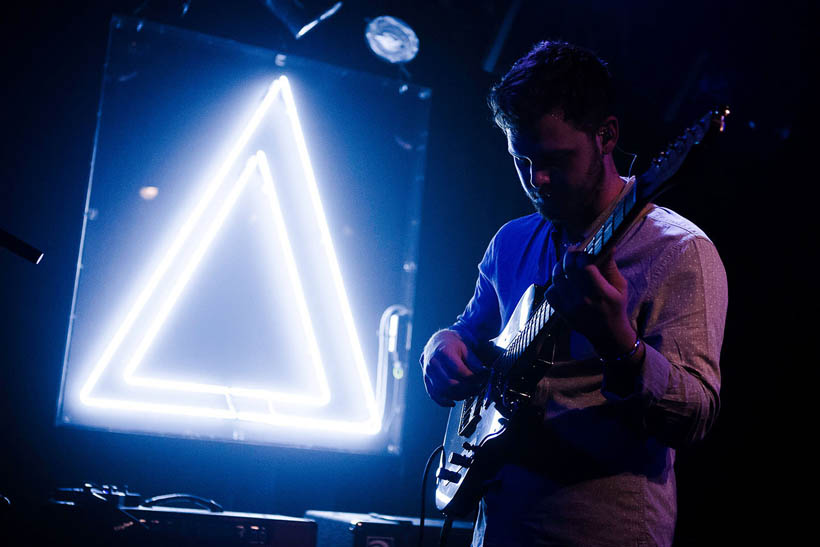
451 371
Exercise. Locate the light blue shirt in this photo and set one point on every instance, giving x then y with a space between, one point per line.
600 471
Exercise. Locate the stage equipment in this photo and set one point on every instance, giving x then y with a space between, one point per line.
300 16
373 530
392 39
247 260
107 515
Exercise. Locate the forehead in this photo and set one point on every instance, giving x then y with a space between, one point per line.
549 134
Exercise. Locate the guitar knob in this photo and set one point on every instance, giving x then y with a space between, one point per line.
447 475
460 459
470 447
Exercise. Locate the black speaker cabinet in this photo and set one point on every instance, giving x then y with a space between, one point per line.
372 530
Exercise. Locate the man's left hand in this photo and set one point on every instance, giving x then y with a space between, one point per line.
593 300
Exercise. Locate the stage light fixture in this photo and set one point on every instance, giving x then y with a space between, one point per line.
392 39
300 16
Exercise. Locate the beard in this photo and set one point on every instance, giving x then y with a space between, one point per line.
566 202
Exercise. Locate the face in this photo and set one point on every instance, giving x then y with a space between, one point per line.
561 170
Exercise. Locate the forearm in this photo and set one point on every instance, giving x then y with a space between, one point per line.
675 383
674 402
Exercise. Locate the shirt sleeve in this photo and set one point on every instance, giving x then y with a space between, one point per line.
481 319
678 383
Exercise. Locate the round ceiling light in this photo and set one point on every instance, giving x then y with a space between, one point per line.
392 39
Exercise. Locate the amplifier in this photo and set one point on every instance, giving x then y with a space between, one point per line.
373 530
203 527
108 516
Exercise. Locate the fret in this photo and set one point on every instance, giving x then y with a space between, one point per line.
618 215
514 347
518 349
607 229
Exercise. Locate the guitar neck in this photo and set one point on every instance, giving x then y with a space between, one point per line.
608 228
612 222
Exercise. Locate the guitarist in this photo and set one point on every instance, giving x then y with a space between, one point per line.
635 371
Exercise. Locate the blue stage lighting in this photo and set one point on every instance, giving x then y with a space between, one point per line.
300 16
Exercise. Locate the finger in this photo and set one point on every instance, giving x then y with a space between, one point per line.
438 386
474 363
596 285
456 369
435 393
558 272
461 392
576 260
609 270
568 261
448 389
554 296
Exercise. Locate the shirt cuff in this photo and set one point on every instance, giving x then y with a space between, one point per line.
647 381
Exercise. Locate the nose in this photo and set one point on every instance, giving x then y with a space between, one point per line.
531 175
539 177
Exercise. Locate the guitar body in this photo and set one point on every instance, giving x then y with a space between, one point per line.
477 428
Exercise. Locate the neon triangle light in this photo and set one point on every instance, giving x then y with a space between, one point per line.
186 237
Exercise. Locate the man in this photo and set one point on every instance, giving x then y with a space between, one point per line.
636 371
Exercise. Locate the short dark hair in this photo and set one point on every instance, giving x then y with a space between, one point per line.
554 75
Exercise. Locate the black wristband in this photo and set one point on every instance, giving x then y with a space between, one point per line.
624 356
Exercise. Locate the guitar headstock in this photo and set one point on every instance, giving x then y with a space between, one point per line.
656 179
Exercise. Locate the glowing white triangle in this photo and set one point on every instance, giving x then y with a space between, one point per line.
370 426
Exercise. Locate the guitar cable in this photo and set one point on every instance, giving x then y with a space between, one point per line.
631 163
430 461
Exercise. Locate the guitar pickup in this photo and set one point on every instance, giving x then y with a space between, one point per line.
447 475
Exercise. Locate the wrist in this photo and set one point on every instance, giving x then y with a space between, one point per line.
617 340
624 356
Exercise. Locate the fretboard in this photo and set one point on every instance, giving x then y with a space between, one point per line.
599 239
601 236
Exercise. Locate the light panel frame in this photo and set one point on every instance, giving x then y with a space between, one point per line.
258 161
154 344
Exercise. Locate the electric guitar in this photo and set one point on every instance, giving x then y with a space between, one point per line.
476 429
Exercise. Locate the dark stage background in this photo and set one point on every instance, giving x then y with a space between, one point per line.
672 60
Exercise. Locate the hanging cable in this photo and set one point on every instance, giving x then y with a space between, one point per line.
424 492
632 163
445 531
